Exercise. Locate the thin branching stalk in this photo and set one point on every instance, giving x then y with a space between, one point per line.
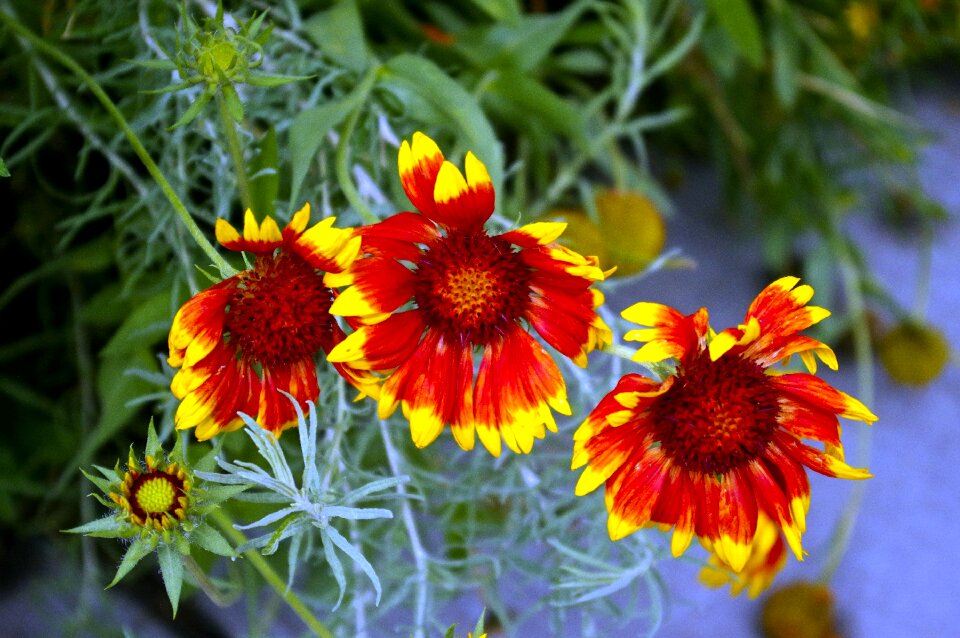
222 519
72 113
359 602
88 414
863 353
235 148
416 546
922 298
343 149
8 18
214 593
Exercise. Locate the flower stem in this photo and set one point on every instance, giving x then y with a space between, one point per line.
416 546
343 150
222 519
64 60
922 298
236 152
863 352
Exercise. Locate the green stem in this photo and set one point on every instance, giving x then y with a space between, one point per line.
343 150
222 519
922 299
863 352
236 152
219 598
63 59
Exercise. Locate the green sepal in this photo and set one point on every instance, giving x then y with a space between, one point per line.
176 454
107 527
137 551
4 172
208 462
234 106
213 278
102 500
152 447
270 79
173 88
195 108
252 27
450 632
212 541
160 65
180 542
478 628
171 571
103 484
216 494
110 473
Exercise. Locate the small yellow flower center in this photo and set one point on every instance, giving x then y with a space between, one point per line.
468 290
156 495
156 498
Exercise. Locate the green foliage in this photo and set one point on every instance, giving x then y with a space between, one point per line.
788 106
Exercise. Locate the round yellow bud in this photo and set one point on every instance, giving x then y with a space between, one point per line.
913 353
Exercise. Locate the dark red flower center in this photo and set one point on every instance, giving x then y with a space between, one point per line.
279 313
717 416
472 286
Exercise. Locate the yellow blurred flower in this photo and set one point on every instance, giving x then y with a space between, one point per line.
862 18
629 234
768 555
799 610
913 353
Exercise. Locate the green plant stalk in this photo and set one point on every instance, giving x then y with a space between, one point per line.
922 298
343 150
64 60
863 353
416 545
273 579
236 152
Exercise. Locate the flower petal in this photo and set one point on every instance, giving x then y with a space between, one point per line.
379 286
516 383
818 393
633 490
198 325
419 164
229 386
535 234
383 346
672 335
327 248
276 413
257 238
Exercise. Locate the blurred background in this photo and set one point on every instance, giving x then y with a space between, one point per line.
705 147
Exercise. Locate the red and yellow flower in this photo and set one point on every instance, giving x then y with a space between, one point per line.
243 340
434 289
718 443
